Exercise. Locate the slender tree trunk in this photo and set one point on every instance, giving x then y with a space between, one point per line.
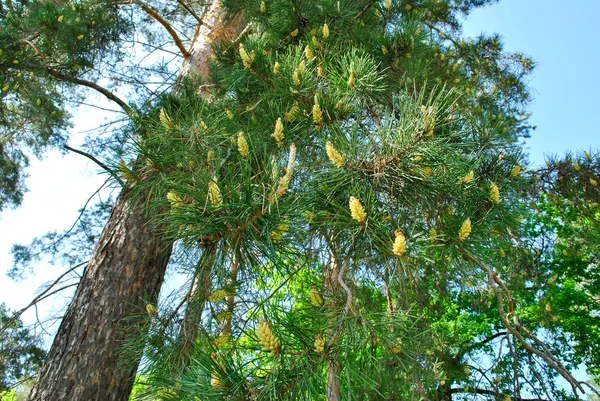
126 271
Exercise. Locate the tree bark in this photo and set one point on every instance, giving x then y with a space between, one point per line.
125 271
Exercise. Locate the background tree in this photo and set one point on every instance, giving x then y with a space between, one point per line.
21 352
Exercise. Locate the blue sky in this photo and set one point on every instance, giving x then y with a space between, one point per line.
562 37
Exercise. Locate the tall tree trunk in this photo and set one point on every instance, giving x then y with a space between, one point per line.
126 269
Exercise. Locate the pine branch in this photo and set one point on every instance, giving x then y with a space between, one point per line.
67 78
98 162
152 13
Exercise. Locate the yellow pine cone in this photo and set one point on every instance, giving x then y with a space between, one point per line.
325 31
467 178
593 182
577 166
247 59
242 144
151 310
165 120
388 4
214 194
588 156
399 248
357 210
296 77
277 234
432 234
263 7
317 114
218 295
283 185
266 337
229 114
465 230
336 157
315 297
494 194
351 80
276 67
515 171
278 132
308 53
319 344
222 340
174 199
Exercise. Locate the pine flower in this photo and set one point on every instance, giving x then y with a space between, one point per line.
278 133
291 159
283 185
384 50
294 113
61 18
388 4
432 234
465 230
593 182
588 156
242 144
577 166
296 77
467 178
494 194
325 31
165 120
315 42
357 211
315 297
151 310
336 157
218 295
399 248
276 68
214 193
319 344
294 33
229 114
174 199
263 7
317 114
247 59
210 156
279 231
351 79
320 71
266 337
308 53
515 171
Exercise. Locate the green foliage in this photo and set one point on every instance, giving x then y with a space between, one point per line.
367 154
21 354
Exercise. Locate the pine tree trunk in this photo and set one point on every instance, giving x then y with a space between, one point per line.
125 271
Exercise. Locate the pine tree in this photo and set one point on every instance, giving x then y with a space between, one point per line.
356 169
346 170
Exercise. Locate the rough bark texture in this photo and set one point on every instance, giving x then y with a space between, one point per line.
126 270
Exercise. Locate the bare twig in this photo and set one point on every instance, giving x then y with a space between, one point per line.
43 295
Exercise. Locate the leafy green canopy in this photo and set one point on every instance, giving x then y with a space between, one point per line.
366 150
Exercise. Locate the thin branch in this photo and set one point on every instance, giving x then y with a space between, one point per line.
67 78
190 11
43 295
98 162
152 13
475 390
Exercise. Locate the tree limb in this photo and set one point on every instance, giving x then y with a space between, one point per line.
152 13
43 295
98 162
